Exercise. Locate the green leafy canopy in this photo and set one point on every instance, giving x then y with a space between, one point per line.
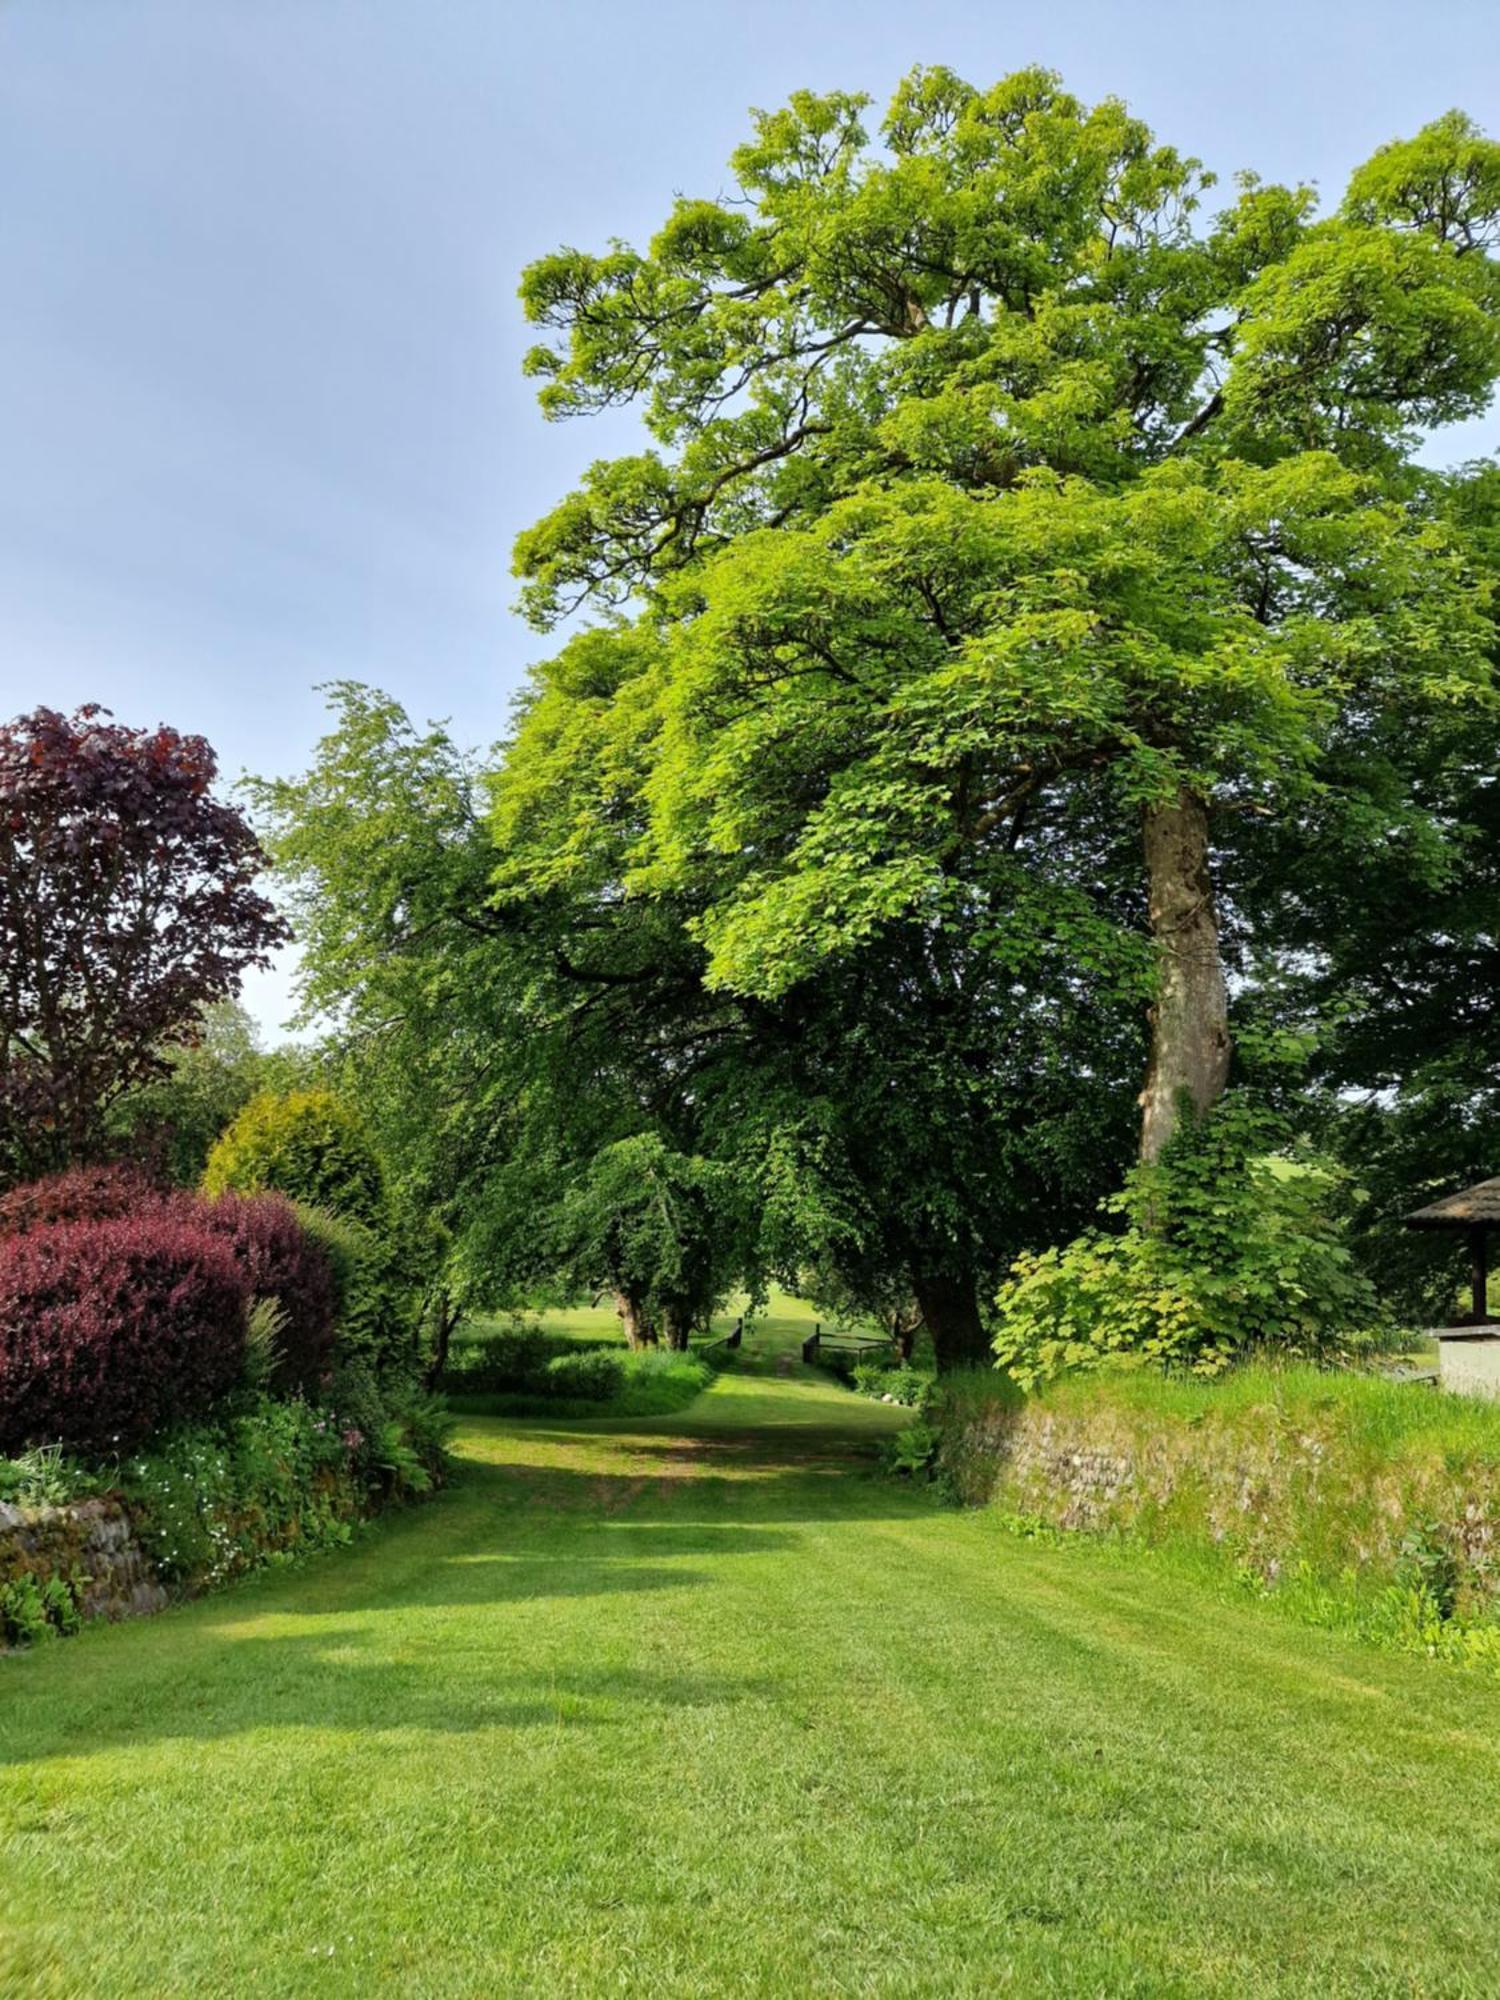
984 476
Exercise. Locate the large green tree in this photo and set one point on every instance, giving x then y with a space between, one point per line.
665 1233
914 1119
502 1057
384 859
916 1112
990 497
1382 926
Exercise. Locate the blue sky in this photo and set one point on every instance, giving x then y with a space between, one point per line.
262 422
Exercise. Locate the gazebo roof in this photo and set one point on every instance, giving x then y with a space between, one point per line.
1473 1209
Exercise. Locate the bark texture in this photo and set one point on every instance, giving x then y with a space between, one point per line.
639 1331
1190 1020
950 1311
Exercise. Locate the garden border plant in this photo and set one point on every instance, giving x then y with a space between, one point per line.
196 1387
264 1479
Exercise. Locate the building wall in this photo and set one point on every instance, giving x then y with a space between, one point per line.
1470 1366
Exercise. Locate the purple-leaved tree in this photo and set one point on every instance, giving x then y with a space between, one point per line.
127 905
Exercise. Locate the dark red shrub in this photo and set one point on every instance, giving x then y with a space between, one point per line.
281 1261
82 1194
277 1256
112 1330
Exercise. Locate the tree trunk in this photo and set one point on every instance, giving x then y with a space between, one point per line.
1190 1019
677 1328
950 1312
639 1331
446 1316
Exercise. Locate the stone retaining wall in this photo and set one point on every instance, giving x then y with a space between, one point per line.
1088 1480
1319 1479
89 1545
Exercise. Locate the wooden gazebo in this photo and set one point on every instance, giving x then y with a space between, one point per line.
1475 1213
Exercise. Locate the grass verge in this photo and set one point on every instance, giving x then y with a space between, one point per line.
1352 1500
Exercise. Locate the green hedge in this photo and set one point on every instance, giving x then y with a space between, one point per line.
526 1372
378 1303
509 1360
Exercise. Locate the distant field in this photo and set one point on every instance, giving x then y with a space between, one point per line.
786 1320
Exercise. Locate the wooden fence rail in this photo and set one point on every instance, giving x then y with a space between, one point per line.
820 1346
733 1338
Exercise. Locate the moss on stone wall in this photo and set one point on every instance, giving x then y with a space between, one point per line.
1348 1487
87 1550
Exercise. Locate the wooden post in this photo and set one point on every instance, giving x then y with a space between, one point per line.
1479 1255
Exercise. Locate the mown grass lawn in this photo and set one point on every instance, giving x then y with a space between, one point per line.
705 1708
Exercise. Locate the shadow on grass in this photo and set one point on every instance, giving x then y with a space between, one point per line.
340 1679
718 1483
371 1640
374 1644
378 1639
